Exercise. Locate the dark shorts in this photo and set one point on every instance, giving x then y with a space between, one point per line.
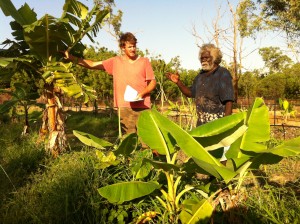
129 118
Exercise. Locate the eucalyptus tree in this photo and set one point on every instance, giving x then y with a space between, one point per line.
274 59
272 86
282 15
247 85
292 88
36 48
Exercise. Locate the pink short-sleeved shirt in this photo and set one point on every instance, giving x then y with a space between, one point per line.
136 74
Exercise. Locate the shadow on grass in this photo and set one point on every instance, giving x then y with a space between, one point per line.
103 125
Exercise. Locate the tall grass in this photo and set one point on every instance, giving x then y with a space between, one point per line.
40 189
274 204
65 191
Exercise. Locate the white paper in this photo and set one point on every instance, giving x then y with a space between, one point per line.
131 94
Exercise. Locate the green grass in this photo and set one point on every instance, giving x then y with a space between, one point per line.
102 125
274 204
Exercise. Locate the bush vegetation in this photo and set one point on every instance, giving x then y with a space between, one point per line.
36 188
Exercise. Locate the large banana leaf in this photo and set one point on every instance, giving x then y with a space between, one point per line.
91 140
127 191
23 16
219 126
220 172
220 133
152 133
159 133
196 212
270 156
258 132
45 38
258 127
128 145
287 148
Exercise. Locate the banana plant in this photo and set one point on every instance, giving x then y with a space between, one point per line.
20 97
246 132
39 43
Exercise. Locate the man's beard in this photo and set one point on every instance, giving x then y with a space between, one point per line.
207 66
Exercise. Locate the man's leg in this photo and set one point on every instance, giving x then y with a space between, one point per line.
129 118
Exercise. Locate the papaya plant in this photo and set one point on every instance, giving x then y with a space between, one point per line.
37 49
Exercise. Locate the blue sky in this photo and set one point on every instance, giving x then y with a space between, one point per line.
163 27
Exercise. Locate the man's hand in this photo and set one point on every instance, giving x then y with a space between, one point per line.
68 56
173 77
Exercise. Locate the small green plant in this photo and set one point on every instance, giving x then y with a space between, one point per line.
286 110
185 110
20 98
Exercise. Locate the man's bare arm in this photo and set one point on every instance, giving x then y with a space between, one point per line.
228 108
84 62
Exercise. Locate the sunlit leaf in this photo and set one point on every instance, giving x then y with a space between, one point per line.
106 160
121 192
198 212
91 140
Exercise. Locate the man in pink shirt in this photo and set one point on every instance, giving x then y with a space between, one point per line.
129 71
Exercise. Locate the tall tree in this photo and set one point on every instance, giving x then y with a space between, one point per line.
282 15
274 59
247 85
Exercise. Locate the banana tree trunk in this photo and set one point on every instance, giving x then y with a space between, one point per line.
54 123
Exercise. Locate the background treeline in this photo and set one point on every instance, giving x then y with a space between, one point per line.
279 79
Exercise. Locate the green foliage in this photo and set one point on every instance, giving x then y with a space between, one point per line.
274 59
57 193
19 159
247 85
292 81
20 97
271 86
283 15
247 136
273 204
100 81
65 190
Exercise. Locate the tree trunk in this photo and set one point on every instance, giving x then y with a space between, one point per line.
26 126
54 123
